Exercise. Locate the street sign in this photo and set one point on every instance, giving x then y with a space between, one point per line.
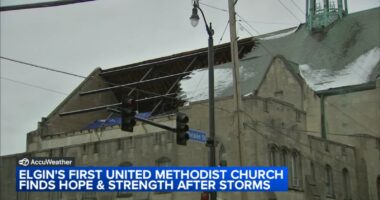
197 135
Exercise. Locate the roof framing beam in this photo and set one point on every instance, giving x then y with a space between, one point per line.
175 57
143 78
104 107
130 84
173 85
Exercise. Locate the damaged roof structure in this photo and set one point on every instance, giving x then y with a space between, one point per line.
345 53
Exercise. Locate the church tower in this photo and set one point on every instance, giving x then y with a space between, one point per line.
322 13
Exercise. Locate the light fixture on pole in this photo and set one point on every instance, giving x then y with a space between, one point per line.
211 140
194 19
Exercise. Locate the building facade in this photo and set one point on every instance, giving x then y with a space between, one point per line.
326 130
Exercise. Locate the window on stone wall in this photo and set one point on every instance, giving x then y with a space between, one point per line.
61 152
284 157
312 168
170 137
130 142
119 144
329 179
88 196
298 116
378 187
346 185
284 160
121 195
55 195
266 106
295 169
157 139
163 162
222 156
273 155
96 147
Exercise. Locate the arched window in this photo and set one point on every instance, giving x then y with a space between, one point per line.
273 154
312 168
284 157
122 195
346 185
163 162
295 169
329 181
222 156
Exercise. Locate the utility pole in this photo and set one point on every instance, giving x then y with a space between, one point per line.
238 119
238 123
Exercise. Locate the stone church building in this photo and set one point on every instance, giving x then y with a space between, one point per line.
311 102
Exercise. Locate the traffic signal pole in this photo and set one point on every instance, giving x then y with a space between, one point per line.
211 139
168 128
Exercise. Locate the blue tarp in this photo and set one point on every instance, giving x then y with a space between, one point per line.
113 121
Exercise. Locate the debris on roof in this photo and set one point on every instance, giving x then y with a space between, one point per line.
195 86
277 35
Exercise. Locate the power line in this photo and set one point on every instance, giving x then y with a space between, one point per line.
225 28
214 7
283 5
34 86
257 32
347 115
253 21
298 7
41 67
307 146
261 123
270 23
246 29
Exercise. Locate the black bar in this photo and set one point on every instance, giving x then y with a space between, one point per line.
156 124
88 109
156 97
129 84
147 121
173 85
41 5
110 105
174 58
114 110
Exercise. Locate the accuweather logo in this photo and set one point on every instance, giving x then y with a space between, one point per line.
46 161
24 162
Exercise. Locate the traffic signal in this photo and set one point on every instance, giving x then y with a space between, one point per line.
182 128
128 113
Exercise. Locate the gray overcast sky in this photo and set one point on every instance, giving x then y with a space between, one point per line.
80 37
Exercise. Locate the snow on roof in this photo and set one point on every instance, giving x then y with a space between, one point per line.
195 86
355 73
279 34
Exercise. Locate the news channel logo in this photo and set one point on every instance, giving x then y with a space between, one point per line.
24 162
46 161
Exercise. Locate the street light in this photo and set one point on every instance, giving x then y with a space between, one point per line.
211 140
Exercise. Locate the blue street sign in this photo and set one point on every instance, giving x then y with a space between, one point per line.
197 135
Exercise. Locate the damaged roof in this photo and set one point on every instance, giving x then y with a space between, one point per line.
348 48
346 53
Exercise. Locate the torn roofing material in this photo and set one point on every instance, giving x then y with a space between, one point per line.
349 45
347 53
